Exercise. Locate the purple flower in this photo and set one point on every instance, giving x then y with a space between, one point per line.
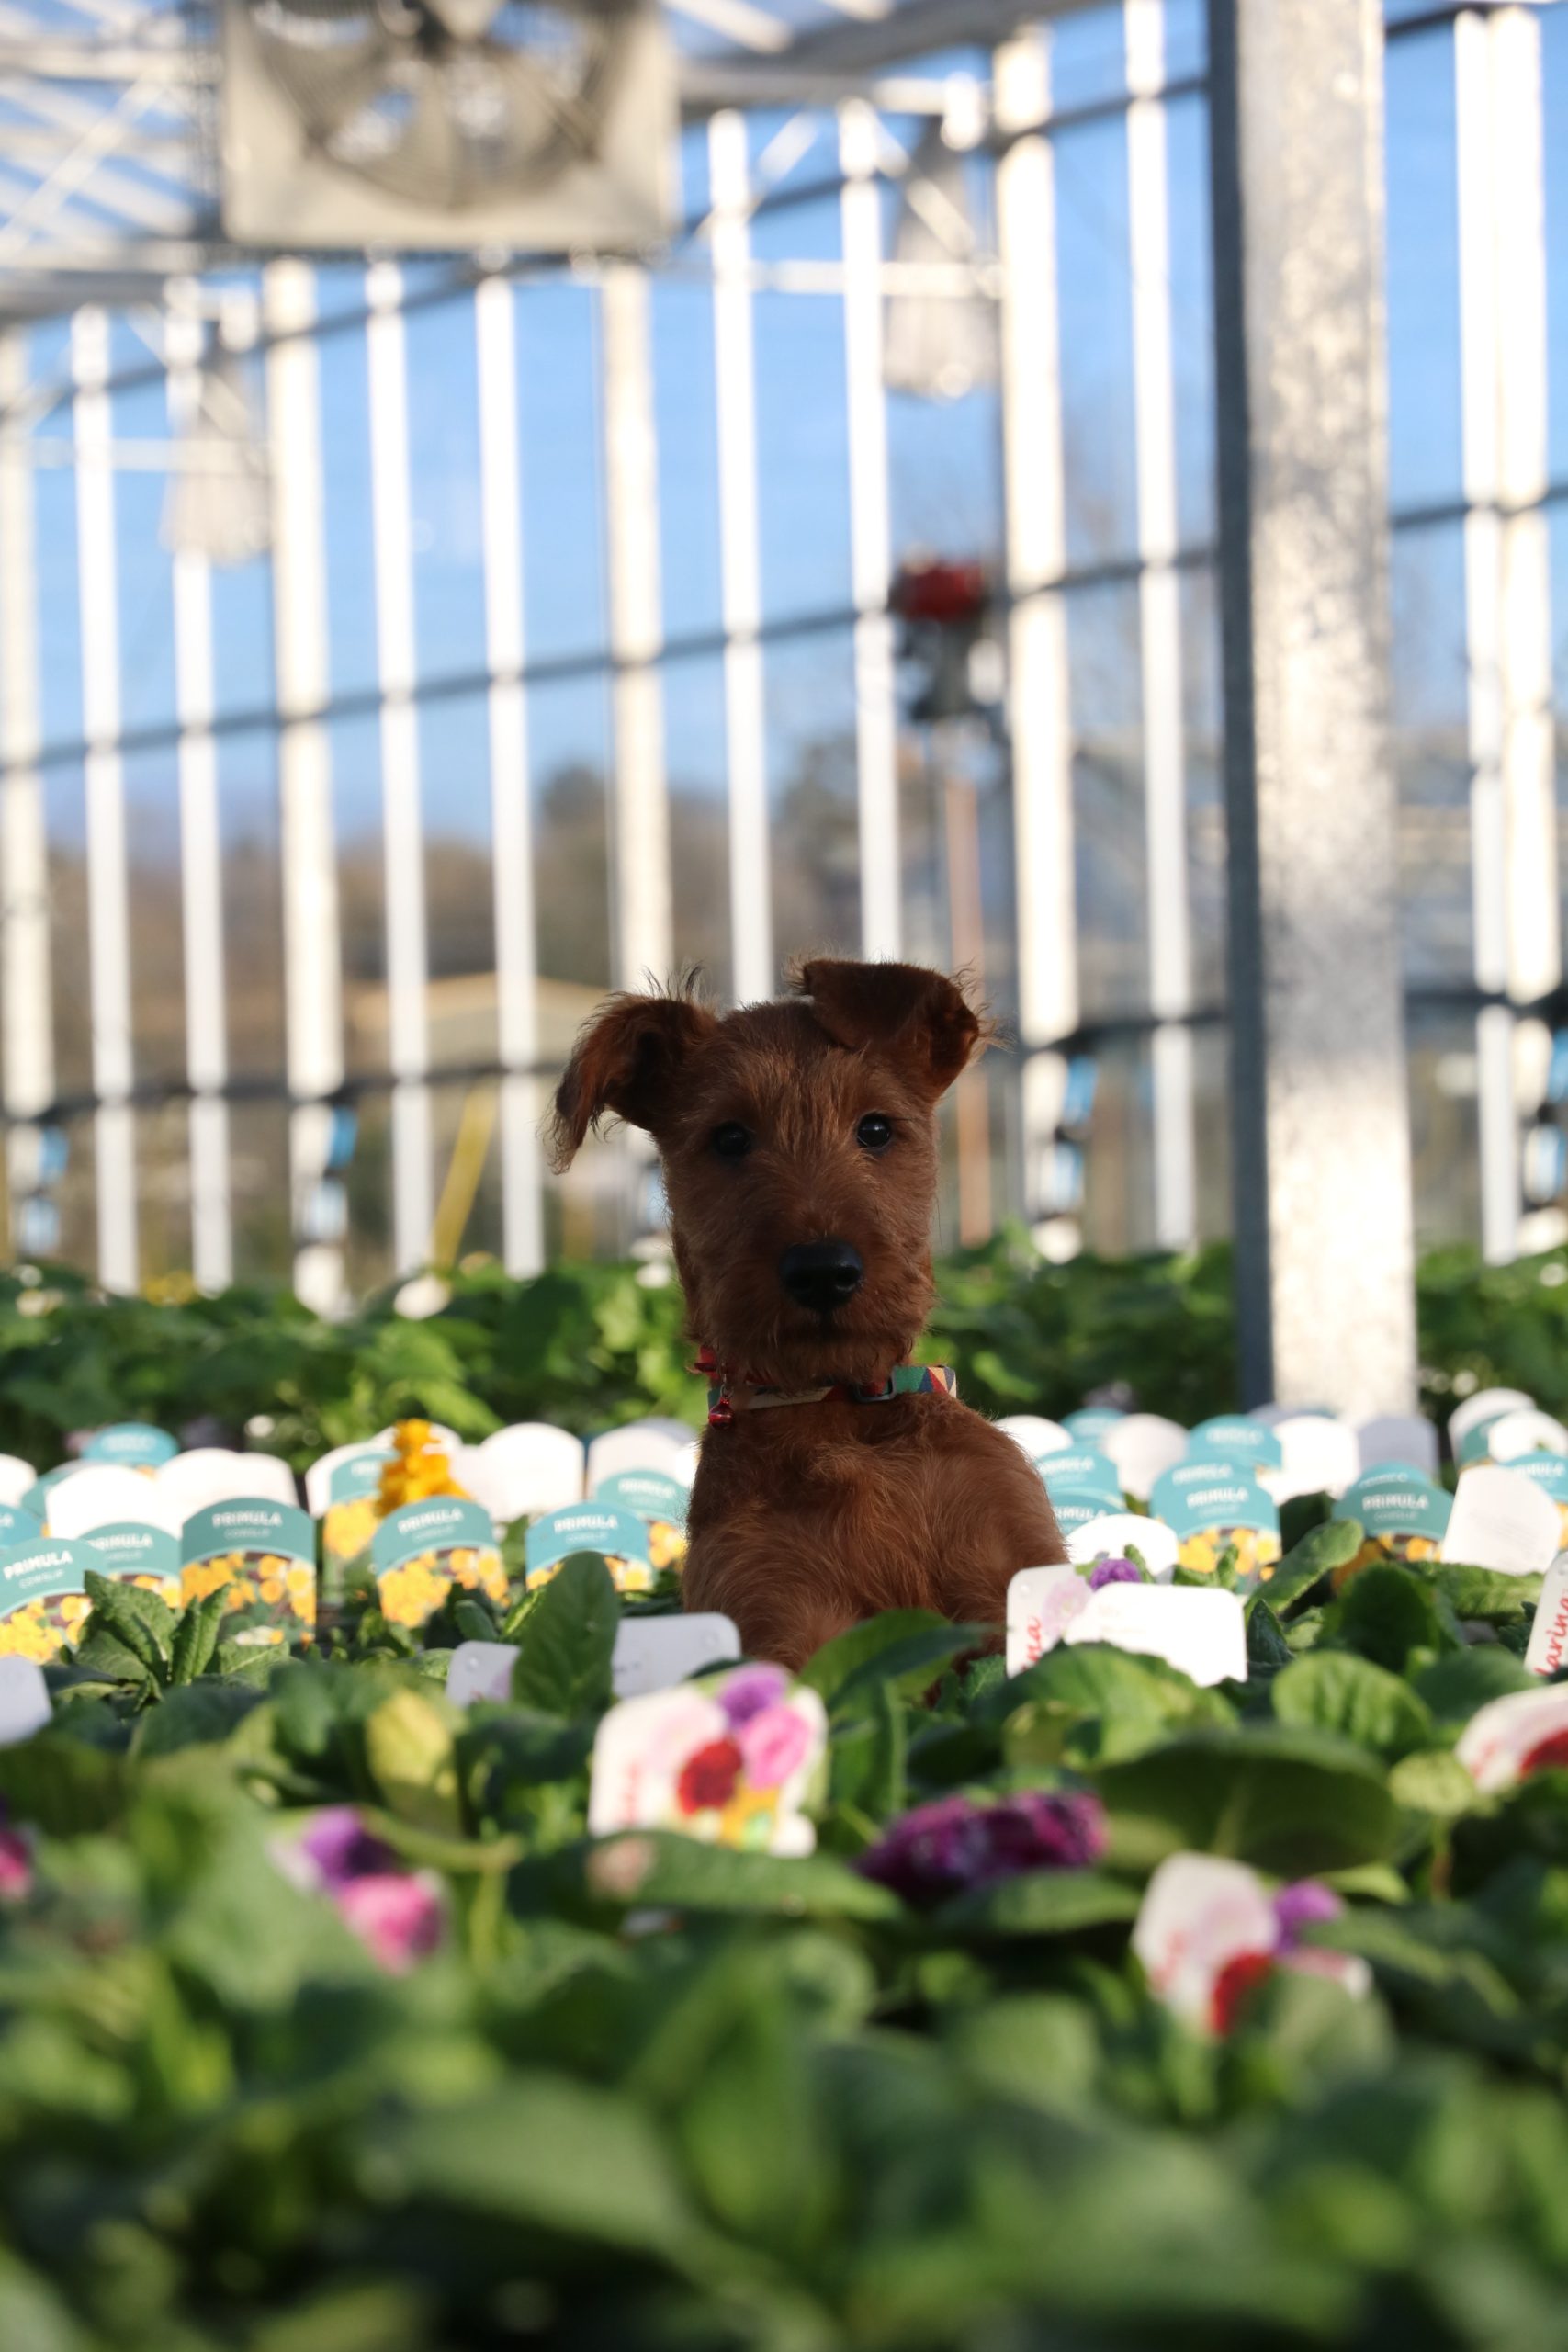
340 1848
1302 1905
944 1847
1115 1572
749 1690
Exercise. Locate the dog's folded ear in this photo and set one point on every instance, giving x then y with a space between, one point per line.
626 1060
918 1017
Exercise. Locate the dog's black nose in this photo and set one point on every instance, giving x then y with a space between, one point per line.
821 1274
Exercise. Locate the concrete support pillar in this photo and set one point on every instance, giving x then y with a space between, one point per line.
1321 1123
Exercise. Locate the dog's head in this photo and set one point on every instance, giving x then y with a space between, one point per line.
798 1142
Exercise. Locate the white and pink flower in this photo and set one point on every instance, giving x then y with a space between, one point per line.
1508 1739
1210 1932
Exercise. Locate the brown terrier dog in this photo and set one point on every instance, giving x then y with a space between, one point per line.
798 1142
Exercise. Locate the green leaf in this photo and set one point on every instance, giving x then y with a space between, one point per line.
1433 1781
1267 1648
1454 1688
566 1640
867 1757
662 1869
140 1621
1483 1594
196 1713
558 2155
196 1638
1334 1691
1289 1801
1096 1702
1040 1903
1332 1545
908 1647
1386 1613
63 1785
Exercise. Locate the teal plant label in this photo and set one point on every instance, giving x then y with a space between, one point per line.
262 1556
150 1556
1215 1506
1395 1505
1475 1445
17 1526
43 1597
1075 1506
1084 1470
597 1526
1550 1472
652 1496
422 1550
1233 1437
1092 1423
135 1445
358 1476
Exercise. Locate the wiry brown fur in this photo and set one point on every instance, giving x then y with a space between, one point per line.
805 1519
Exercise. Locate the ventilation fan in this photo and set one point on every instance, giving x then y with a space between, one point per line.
536 125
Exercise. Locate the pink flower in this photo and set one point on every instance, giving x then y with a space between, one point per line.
775 1744
750 1688
16 1865
398 1920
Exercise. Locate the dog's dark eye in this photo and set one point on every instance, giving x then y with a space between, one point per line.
875 1133
732 1141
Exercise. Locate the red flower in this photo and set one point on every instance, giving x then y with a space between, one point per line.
950 594
1551 1755
1234 1985
708 1776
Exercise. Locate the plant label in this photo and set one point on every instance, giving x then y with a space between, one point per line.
1114 1534
1143 1448
16 1477
728 1761
1399 1441
635 1447
148 1556
619 1534
1084 1470
135 1445
43 1597
523 1471
1402 1517
419 1552
1236 1437
1035 1434
651 1653
1215 1505
1548 1634
1550 1472
1319 1457
1502 1520
1091 1424
1041 1604
1202 1634
1516 1436
25 1703
659 1502
16 1526
1484 1405
103 1495
262 1556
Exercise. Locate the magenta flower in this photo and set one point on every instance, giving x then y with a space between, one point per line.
749 1690
775 1744
397 1918
396 1913
1114 1572
16 1865
940 1849
1302 1905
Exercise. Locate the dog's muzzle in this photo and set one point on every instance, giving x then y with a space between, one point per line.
821 1275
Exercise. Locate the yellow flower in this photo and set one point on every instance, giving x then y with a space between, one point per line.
666 1545
202 1577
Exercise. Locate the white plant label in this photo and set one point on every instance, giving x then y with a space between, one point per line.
1548 1634
635 1447
1319 1457
1399 1442
1202 1634
1486 1405
1502 1520
1142 1447
25 1703
1525 1432
1041 1604
1035 1434
651 1654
